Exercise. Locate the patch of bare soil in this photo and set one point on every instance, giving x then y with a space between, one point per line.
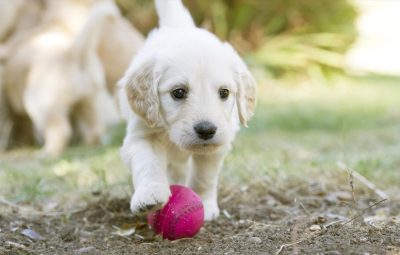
254 220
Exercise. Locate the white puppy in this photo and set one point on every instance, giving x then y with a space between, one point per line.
184 97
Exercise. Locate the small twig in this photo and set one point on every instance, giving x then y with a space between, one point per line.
227 214
352 187
288 245
104 209
6 202
184 251
363 211
364 181
59 213
17 245
35 212
370 185
305 209
332 223
182 240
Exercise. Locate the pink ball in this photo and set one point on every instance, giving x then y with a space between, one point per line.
182 216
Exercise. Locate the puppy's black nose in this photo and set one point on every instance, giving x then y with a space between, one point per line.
205 130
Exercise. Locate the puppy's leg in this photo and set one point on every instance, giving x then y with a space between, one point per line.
178 167
50 118
147 162
204 181
177 173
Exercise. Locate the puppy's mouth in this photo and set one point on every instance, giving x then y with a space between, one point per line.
203 147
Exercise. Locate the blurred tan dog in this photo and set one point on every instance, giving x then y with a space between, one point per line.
119 42
18 15
55 72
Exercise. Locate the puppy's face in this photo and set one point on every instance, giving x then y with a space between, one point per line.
197 88
197 95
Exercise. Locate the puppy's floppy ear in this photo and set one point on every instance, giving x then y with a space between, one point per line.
141 87
246 87
246 96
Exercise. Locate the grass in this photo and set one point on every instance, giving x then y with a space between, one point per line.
298 132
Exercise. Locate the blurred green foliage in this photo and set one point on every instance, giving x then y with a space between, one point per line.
283 36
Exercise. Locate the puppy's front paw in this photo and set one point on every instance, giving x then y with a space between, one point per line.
150 197
211 210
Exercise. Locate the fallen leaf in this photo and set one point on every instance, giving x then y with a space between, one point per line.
376 221
337 196
32 234
124 232
86 249
16 245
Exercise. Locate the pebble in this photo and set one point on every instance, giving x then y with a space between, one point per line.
231 251
255 239
332 253
315 227
86 250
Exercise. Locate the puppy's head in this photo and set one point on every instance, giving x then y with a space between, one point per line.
194 86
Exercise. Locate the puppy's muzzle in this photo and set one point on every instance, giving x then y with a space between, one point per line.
205 130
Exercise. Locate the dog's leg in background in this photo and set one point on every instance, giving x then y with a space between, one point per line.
89 125
5 122
147 161
204 181
57 133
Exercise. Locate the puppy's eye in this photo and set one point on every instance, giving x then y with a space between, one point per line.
224 93
179 94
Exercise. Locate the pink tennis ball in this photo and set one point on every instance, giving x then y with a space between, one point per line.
182 216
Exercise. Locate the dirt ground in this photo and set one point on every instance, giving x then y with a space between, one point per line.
254 220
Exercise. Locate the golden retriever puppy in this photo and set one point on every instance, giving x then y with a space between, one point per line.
18 15
184 97
118 43
16 18
55 73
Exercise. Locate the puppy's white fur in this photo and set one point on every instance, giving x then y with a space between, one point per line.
161 146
